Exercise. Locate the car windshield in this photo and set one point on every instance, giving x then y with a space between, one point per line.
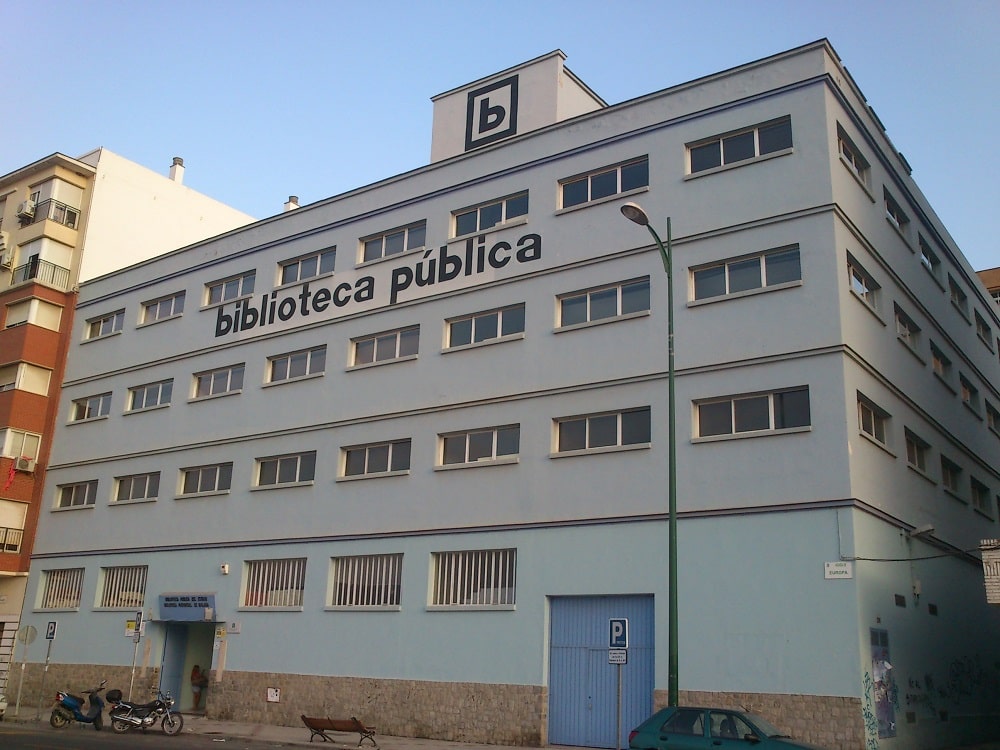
765 726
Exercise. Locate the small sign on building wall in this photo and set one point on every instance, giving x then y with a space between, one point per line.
841 569
273 695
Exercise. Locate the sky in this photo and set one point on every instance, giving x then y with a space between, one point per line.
264 100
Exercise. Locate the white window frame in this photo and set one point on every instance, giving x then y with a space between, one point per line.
959 299
163 308
210 479
510 211
309 266
941 365
90 408
479 447
737 406
301 465
274 585
727 266
851 157
895 215
230 288
589 295
929 259
907 331
298 365
20 443
394 451
722 138
366 582
411 238
862 284
481 324
222 381
873 421
918 451
122 587
597 179
590 422
380 343
61 589
75 495
474 580
162 389
105 325
136 488
951 477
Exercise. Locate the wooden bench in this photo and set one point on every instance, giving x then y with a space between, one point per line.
320 727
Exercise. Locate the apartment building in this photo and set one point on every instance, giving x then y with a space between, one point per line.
64 220
402 453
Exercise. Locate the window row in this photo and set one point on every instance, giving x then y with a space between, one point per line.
476 447
471 579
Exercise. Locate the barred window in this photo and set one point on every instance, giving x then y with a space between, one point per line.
61 589
290 469
137 487
308 266
274 583
376 458
149 395
296 364
474 578
123 587
163 308
394 241
206 479
366 580
77 495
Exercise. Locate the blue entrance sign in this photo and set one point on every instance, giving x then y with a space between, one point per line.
618 632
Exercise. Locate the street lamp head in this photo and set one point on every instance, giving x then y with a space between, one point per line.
633 212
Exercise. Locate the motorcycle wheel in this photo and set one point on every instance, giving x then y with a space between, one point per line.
120 726
58 719
172 724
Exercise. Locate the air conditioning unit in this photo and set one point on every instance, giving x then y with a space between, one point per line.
26 210
25 464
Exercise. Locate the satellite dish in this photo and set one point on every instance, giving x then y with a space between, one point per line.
27 634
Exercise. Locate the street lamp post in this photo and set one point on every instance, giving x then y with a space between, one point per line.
633 212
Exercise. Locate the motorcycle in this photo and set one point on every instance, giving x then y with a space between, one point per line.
69 708
125 715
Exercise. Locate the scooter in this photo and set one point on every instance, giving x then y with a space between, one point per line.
125 715
69 708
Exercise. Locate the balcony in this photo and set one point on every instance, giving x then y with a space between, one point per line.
43 272
56 211
10 539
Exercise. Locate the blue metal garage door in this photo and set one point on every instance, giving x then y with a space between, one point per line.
583 687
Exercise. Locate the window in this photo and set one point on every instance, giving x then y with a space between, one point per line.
205 480
969 393
614 429
123 587
77 495
940 364
894 214
958 296
984 331
605 182
275 583
366 581
218 382
37 312
686 721
61 588
992 417
768 138
150 395
163 308
394 242
906 330
229 289
488 444
862 283
386 347
91 407
18 443
872 419
604 303
376 459
105 325
951 475
474 578
486 326
307 267
754 413
488 215
137 487
917 450
23 376
296 365
295 468
980 495
928 258
851 156
767 269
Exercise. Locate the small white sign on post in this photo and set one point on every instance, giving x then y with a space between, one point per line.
617 656
842 569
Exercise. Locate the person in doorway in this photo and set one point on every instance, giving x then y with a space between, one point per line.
199 681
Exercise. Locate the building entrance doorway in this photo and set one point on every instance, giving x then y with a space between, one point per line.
187 644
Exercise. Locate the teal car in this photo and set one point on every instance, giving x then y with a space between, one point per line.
683 728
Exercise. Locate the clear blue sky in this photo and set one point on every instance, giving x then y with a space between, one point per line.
268 99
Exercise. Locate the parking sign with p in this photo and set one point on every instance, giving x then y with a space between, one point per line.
618 632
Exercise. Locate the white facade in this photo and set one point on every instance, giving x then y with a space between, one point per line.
804 316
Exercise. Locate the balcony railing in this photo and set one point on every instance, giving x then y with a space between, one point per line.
43 272
10 539
58 212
